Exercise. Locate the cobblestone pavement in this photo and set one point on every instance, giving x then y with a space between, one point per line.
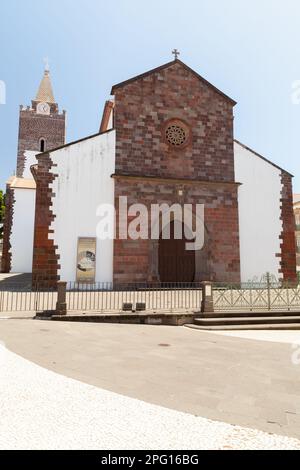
44 410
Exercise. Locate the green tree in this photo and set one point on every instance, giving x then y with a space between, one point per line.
2 210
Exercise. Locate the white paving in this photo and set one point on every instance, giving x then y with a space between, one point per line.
40 409
274 336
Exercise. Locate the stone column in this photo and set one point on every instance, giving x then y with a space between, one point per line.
207 304
61 304
153 275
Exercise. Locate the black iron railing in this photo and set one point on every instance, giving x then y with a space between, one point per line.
108 297
27 297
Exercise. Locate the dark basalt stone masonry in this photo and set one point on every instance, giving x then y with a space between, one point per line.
287 237
45 256
33 127
137 260
7 228
144 105
203 167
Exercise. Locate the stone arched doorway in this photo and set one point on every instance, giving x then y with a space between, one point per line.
175 263
202 268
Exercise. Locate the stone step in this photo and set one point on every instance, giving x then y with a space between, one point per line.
247 320
262 326
247 313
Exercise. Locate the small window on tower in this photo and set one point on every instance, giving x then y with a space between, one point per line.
42 145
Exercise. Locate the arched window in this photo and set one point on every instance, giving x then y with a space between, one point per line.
42 145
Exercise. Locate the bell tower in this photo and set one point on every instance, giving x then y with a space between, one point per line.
41 125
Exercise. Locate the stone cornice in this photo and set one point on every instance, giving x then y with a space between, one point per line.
182 181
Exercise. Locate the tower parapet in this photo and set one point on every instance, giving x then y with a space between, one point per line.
41 125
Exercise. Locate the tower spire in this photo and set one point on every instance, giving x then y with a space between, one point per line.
45 92
46 62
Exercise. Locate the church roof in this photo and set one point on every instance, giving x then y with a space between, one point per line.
263 158
296 198
74 142
21 183
45 92
170 64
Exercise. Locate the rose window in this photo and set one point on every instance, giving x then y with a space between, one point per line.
176 135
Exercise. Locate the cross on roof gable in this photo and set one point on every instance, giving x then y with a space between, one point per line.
164 66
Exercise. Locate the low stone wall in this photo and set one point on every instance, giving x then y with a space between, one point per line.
172 319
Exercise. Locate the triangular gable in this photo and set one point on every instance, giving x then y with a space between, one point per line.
170 64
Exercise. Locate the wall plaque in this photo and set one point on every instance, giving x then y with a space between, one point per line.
86 260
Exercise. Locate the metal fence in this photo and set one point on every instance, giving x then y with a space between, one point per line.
26 297
266 295
105 297
101 297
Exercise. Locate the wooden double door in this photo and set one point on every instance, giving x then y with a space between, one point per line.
175 263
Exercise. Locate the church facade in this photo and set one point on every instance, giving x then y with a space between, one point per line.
165 138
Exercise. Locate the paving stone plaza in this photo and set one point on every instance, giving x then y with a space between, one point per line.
159 387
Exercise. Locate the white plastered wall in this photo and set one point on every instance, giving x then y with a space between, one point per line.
30 159
84 182
259 214
22 230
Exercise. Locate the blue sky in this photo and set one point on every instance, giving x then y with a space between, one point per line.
248 49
